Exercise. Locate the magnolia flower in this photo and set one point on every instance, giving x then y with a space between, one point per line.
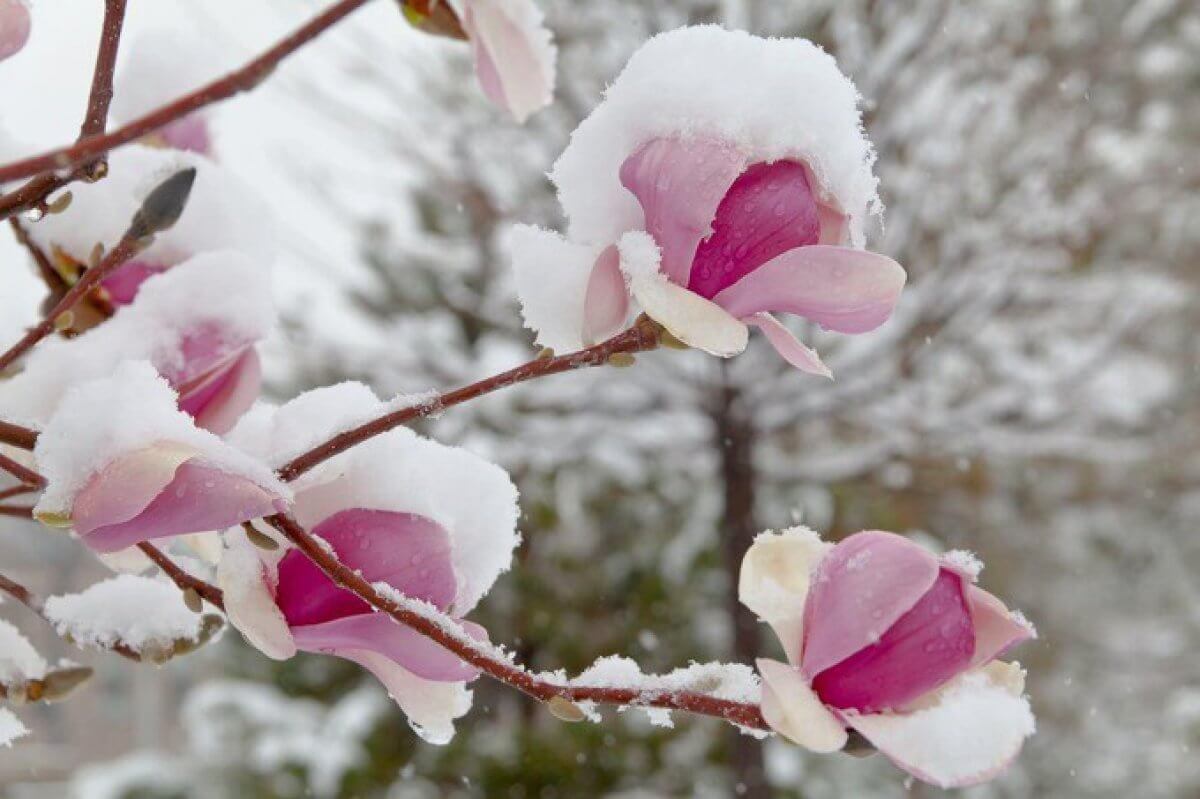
197 325
221 214
123 465
885 638
393 509
713 205
14 27
513 52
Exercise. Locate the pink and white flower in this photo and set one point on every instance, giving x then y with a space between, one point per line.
15 23
123 465
197 324
393 509
222 213
713 207
887 639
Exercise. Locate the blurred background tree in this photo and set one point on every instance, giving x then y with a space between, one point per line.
1033 401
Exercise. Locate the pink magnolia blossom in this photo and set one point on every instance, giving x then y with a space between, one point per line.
514 56
885 638
124 465
15 23
391 508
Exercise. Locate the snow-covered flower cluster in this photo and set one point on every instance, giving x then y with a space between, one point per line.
723 178
885 638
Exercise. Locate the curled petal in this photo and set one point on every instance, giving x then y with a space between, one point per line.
997 629
926 647
248 585
680 185
514 58
860 589
376 632
788 346
14 27
839 288
128 501
768 210
791 708
408 552
228 395
606 303
774 581
552 276
431 706
975 728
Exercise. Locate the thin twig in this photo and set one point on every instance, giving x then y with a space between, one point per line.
21 472
16 491
210 593
17 436
55 283
642 336
18 511
742 713
240 80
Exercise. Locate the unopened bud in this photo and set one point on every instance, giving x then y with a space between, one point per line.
621 359
60 203
259 538
564 709
545 354
163 205
191 598
59 684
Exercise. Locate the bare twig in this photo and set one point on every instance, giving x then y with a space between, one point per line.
505 671
17 511
16 491
210 593
243 79
17 436
643 335
21 472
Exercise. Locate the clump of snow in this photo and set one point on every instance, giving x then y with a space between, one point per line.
222 212
139 612
551 276
964 562
474 500
11 728
19 661
640 255
222 292
735 682
771 98
132 408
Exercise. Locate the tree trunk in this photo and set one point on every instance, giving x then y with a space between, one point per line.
735 443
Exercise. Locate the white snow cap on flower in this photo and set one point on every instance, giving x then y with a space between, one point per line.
221 212
772 98
474 500
19 661
224 292
11 727
133 408
127 609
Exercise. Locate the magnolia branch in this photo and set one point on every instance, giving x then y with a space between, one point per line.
643 335
33 194
501 669
240 80
35 604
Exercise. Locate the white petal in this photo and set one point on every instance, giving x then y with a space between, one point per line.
688 316
774 581
249 601
795 712
431 706
552 274
968 735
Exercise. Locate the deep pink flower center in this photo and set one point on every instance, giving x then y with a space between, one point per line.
924 649
768 210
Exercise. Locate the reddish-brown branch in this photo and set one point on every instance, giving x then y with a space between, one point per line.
18 511
208 592
21 472
49 275
644 335
240 80
16 491
743 713
17 436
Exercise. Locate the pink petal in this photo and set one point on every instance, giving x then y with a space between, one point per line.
768 210
198 498
996 628
788 346
231 395
408 552
840 288
14 27
431 706
509 62
190 133
127 485
860 589
680 186
926 648
376 632
123 284
606 303
970 735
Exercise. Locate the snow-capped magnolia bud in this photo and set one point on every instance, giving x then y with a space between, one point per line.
163 205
